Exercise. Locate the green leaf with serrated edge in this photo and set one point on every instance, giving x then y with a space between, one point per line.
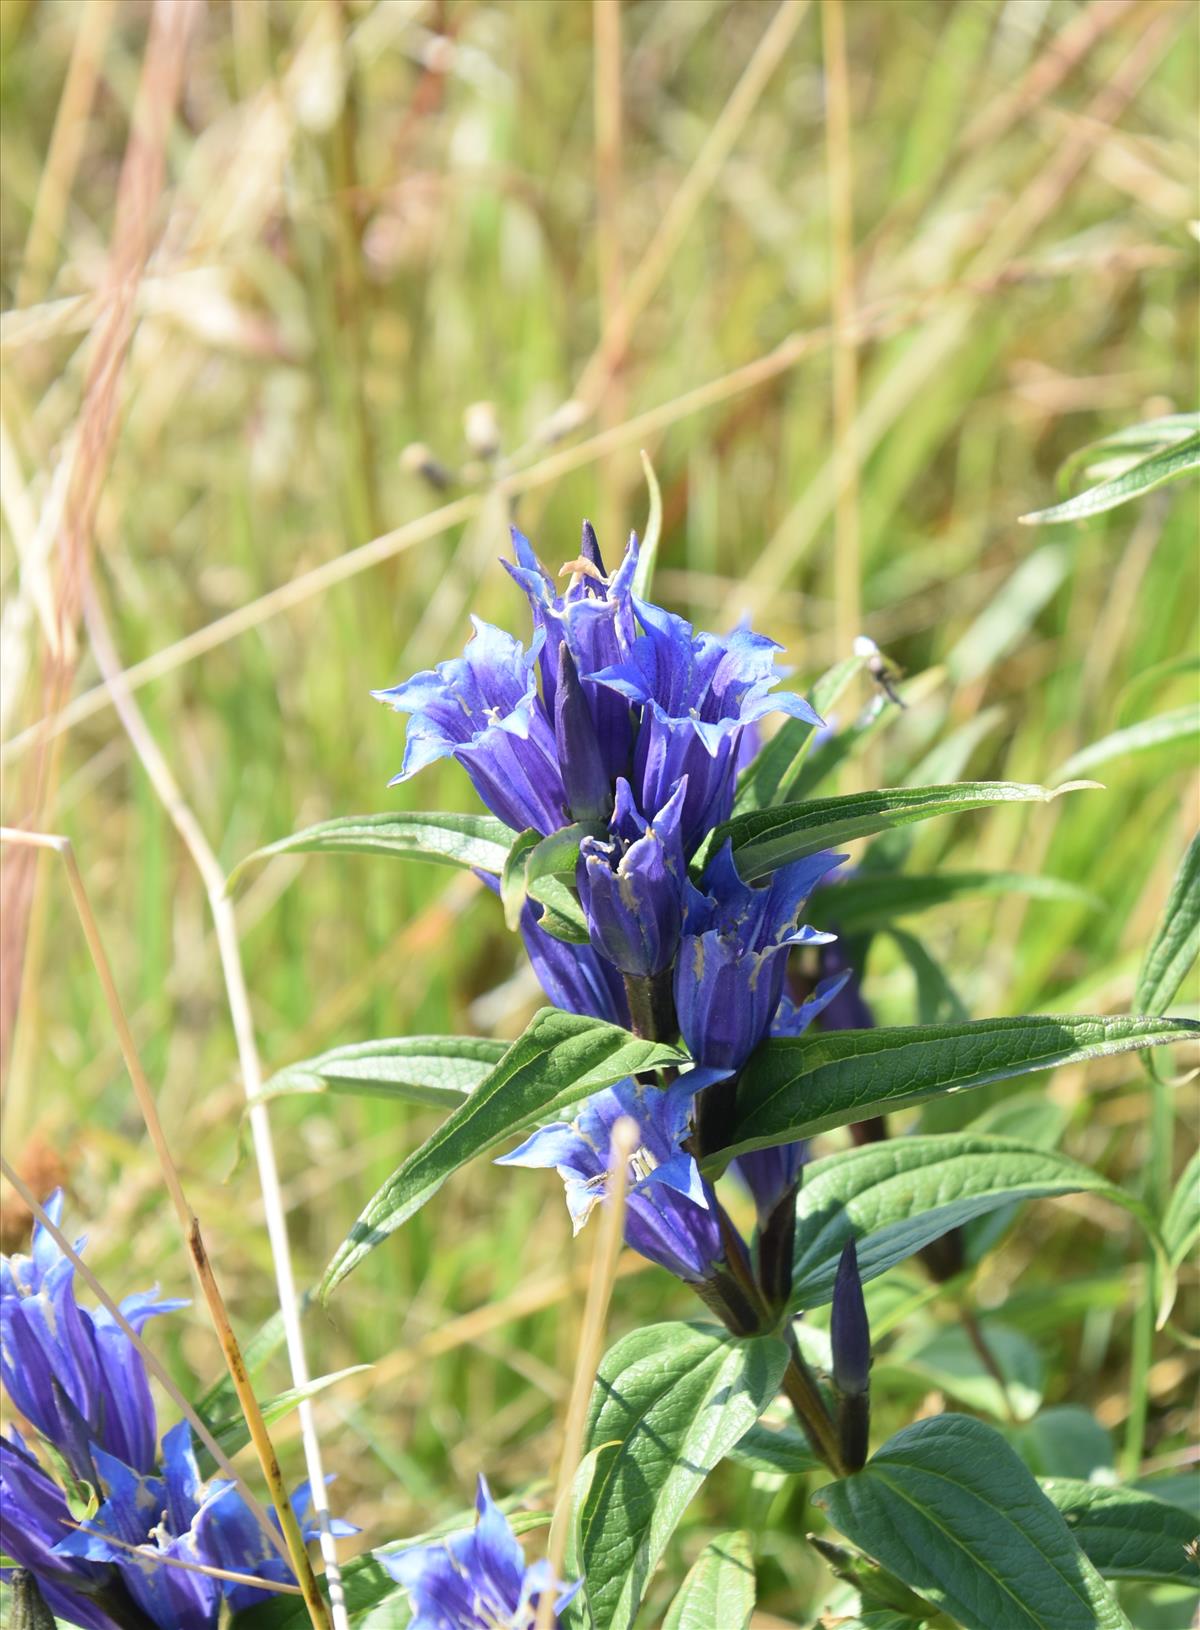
1064 1441
775 1449
669 1403
1181 1224
794 1087
1160 731
234 1434
719 1589
765 839
448 838
893 1198
643 574
948 1508
1167 464
1009 1387
558 1060
868 900
770 776
1127 1534
438 1070
1176 942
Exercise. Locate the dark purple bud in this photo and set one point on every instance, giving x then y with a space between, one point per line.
850 1334
585 780
589 548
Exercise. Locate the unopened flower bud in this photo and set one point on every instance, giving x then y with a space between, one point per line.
850 1334
585 780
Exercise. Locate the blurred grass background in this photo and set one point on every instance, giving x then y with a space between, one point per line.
377 213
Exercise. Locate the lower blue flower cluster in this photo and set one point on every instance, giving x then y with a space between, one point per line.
135 1560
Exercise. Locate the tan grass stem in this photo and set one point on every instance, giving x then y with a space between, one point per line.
275 1586
625 1138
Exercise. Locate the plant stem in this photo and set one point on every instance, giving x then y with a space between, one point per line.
804 1395
652 1006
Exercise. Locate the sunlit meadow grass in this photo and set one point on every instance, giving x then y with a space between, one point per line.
376 215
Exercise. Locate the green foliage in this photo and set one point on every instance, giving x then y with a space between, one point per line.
768 838
1175 441
560 1059
792 1088
668 1404
719 1588
437 1070
948 1507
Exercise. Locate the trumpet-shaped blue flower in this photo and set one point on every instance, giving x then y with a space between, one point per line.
594 619
733 955
698 693
771 1173
633 885
671 1215
483 709
34 1517
73 1373
475 1581
177 1517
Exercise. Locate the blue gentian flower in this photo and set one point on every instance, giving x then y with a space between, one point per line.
671 1214
73 1373
483 709
633 885
733 955
34 1517
594 620
699 693
770 1174
178 1517
475 1581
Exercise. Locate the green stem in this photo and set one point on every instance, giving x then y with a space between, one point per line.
652 1006
1158 1189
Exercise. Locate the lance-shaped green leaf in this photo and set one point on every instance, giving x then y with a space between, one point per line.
559 1059
561 914
438 1070
948 1508
1160 731
1168 464
893 1198
795 1086
1181 1224
669 1402
865 900
1176 942
764 839
719 1589
1127 1533
448 838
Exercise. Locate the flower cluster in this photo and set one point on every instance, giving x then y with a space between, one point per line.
625 724
76 1377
